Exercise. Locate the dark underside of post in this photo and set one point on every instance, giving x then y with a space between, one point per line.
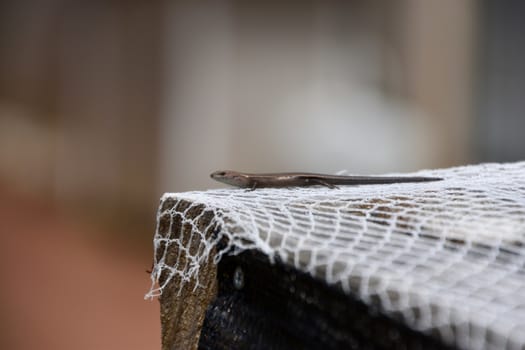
265 306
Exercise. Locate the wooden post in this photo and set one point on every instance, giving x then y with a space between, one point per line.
183 308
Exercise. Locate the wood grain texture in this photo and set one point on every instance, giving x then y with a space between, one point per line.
183 309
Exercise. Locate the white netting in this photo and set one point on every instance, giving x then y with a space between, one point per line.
446 257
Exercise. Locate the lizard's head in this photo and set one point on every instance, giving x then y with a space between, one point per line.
229 177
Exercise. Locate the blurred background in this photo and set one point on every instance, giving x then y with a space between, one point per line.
105 105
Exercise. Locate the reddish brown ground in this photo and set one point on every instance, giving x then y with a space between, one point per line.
61 290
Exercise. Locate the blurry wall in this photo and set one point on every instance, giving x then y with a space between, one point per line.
365 86
500 82
104 105
79 97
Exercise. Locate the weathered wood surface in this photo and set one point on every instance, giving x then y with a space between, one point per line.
182 310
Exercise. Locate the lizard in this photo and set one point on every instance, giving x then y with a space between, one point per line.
253 181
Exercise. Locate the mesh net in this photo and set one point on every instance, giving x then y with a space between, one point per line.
446 258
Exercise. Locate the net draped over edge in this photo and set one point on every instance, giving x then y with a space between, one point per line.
446 258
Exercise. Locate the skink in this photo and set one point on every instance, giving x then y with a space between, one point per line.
253 181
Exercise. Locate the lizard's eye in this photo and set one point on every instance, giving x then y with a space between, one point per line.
218 174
